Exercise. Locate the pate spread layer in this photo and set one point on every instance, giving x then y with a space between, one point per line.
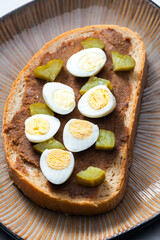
113 122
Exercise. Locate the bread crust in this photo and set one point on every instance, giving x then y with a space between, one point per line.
64 203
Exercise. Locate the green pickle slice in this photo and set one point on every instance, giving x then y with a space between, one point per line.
49 144
40 108
49 71
92 43
105 141
91 177
95 81
122 62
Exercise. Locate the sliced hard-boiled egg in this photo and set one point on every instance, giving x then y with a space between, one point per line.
97 102
79 135
59 97
41 127
57 165
86 62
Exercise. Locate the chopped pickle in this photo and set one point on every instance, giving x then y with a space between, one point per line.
95 81
105 141
49 144
122 62
40 108
92 43
49 71
91 177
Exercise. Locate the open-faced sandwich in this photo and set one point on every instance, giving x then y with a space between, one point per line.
70 119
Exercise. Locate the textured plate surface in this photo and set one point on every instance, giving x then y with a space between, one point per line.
22 34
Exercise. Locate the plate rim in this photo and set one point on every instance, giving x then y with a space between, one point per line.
121 234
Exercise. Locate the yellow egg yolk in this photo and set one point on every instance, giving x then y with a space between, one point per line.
91 61
63 99
37 126
98 99
58 159
80 129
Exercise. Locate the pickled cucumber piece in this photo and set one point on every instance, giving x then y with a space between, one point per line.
49 71
49 144
105 141
90 177
95 81
92 43
122 62
40 108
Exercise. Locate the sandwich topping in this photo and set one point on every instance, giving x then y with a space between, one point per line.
57 165
104 101
98 99
87 62
80 129
37 126
58 159
79 135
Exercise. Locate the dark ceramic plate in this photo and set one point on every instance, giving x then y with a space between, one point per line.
22 33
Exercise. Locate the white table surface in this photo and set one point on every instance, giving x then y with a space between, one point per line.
149 232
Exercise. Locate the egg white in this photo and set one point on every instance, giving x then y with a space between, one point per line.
76 145
58 176
86 110
54 125
48 90
73 65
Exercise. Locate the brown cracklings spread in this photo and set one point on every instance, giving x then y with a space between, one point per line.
114 122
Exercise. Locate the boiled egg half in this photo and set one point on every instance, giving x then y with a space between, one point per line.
57 165
79 135
41 127
86 62
97 102
59 97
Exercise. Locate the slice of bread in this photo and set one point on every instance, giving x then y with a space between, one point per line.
28 176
